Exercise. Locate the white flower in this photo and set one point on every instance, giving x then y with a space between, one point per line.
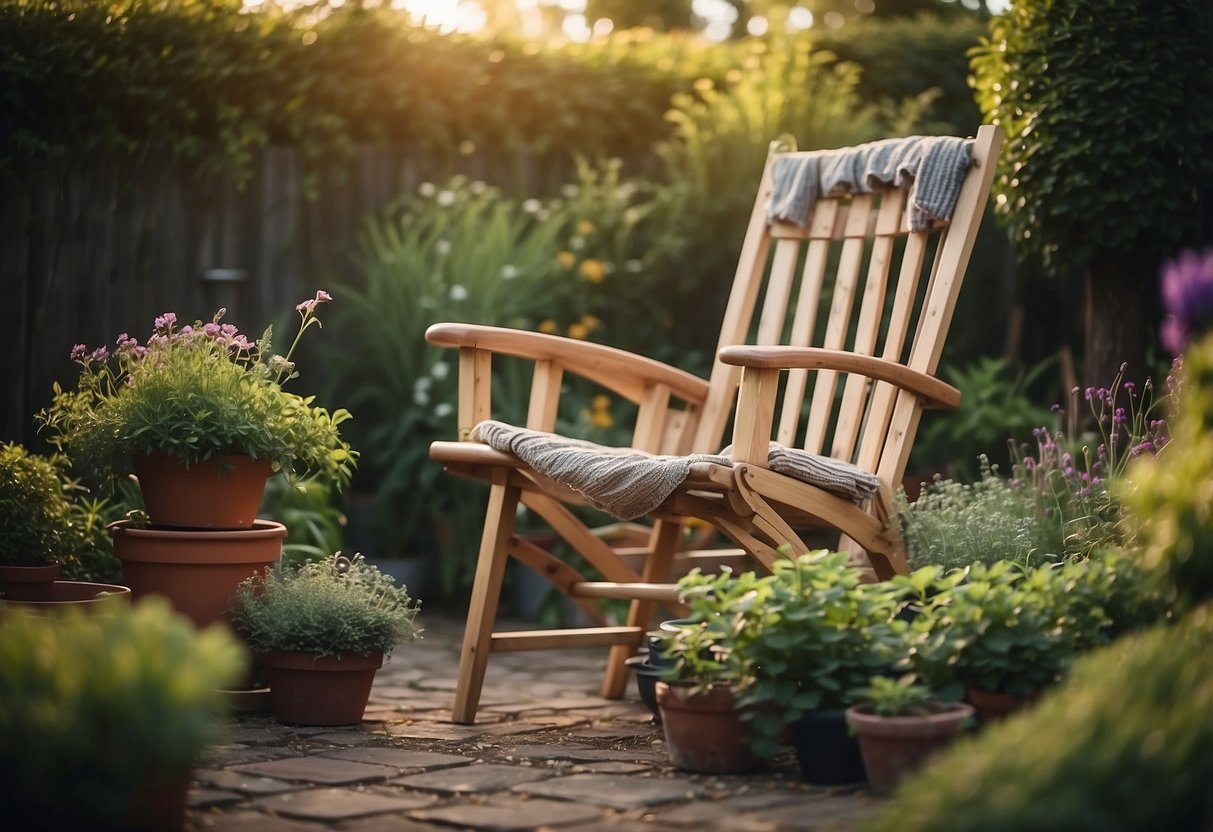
570 190
508 272
577 243
443 409
458 293
634 266
442 247
446 198
532 206
426 189
478 187
422 384
440 370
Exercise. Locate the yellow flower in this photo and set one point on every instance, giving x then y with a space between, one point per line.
548 326
566 259
578 331
600 402
601 419
585 228
592 271
590 322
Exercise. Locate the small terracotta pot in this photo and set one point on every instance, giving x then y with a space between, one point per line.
27 583
197 571
893 746
306 689
704 731
82 595
220 493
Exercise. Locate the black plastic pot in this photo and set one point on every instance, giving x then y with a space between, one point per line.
647 677
827 753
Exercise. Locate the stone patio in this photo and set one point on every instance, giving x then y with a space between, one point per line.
546 753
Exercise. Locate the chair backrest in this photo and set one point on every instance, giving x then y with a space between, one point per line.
855 278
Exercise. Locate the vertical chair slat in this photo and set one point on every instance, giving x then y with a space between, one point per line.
650 420
475 388
858 222
545 396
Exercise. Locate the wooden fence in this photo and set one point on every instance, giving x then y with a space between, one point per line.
89 251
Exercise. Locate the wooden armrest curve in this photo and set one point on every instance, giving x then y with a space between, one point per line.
598 362
938 393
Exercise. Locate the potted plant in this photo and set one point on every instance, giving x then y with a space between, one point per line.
320 631
700 675
41 530
103 717
899 723
199 414
819 633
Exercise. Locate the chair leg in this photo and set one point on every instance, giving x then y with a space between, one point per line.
664 539
486 591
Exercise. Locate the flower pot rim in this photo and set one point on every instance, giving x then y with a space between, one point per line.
311 660
261 528
942 712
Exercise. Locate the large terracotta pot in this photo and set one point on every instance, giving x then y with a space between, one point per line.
220 493
82 595
197 571
994 707
893 746
27 583
306 689
704 731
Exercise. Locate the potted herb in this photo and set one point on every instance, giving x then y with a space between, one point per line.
201 406
103 717
700 674
41 531
899 723
818 635
320 631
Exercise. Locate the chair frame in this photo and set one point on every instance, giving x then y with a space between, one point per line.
864 407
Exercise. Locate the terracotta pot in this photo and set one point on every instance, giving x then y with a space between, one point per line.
704 731
220 493
893 746
328 690
827 753
82 595
197 571
27 583
993 707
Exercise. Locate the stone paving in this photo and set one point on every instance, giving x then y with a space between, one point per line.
546 753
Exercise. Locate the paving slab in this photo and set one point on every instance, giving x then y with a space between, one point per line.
323 770
400 758
247 783
246 821
480 778
208 798
338 804
614 790
581 754
434 730
509 815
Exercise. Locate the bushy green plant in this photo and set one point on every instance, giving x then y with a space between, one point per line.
340 605
1007 628
313 523
197 392
817 636
96 707
954 524
1123 744
35 515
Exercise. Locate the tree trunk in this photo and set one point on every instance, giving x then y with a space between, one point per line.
1121 317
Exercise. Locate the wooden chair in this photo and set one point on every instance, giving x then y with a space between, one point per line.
847 375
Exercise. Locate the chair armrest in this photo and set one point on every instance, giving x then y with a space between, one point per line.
627 374
935 392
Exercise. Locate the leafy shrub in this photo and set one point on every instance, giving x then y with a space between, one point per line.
1123 744
341 605
35 516
95 707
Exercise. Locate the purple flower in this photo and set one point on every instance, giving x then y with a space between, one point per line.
165 321
305 308
211 329
228 330
1187 298
78 352
1119 417
101 355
